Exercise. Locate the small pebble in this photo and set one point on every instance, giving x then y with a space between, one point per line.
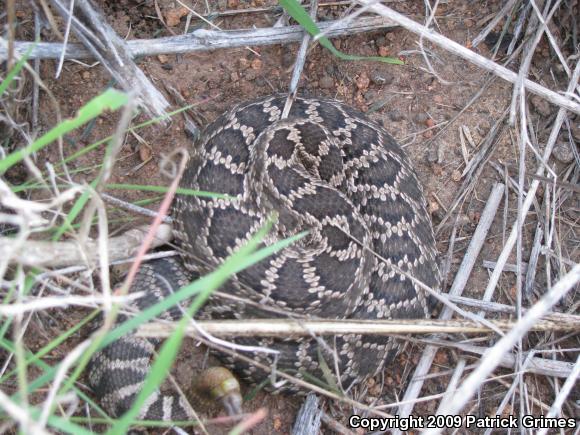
384 51
396 115
485 125
251 74
256 64
563 152
144 153
541 105
363 81
456 175
420 118
326 82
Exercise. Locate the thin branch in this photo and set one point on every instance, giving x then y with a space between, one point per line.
203 40
61 254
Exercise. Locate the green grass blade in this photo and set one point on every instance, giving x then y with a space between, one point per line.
169 349
241 259
65 425
193 289
108 100
296 11
69 218
164 189
94 145
14 71
61 424
202 287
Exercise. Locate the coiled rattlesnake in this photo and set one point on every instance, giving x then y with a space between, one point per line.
329 170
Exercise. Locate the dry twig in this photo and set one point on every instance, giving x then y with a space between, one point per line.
61 254
204 40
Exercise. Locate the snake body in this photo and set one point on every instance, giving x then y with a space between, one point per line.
326 169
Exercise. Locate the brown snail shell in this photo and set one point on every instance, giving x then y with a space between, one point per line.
220 385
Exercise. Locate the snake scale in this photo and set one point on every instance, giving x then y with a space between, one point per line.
326 169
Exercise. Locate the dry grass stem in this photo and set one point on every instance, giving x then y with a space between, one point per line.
283 328
537 365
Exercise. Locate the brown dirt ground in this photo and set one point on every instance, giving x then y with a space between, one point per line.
409 99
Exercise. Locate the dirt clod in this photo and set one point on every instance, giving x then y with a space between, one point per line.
363 81
541 106
563 152
395 115
384 51
456 175
173 16
326 82
256 64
